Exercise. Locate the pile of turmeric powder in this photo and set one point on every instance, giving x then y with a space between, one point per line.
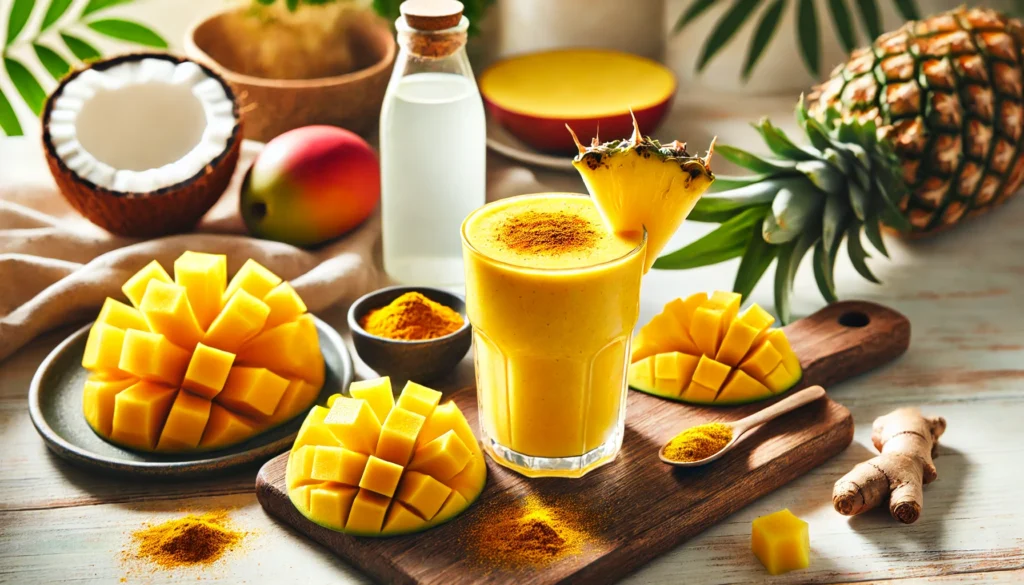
412 317
531 532
699 442
188 541
534 232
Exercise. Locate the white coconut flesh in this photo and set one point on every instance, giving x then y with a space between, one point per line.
143 125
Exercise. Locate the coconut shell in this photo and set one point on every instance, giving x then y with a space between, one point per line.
173 209
271 106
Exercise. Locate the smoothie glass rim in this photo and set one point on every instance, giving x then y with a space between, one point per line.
551 270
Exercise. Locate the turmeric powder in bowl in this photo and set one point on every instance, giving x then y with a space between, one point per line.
412 317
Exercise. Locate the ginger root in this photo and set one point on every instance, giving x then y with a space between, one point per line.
907 442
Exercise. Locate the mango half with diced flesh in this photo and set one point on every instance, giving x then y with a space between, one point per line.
705 351
197 362
370 466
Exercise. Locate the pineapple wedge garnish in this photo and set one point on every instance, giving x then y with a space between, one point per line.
640 183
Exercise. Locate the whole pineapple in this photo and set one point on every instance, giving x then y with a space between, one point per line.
917 132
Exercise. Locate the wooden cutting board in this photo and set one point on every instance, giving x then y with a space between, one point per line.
646 507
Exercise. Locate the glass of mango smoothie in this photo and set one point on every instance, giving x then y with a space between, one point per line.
552 295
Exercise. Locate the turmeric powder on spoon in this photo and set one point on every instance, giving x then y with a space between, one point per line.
412 317
699 442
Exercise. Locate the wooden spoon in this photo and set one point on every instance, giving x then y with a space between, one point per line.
796 400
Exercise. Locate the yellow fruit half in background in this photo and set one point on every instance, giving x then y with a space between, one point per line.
369 466
187 367
705 351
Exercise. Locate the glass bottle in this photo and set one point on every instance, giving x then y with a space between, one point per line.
433 146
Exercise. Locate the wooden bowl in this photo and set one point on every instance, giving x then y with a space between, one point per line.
419 361
273 105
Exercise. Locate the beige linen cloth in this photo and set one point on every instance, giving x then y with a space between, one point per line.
56 268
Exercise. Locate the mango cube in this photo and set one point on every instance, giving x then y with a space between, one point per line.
468 481
354 424
252 391
205 278
120 315
300 496
381 476
332 504
167 312
297 397
253 278
781 542
292 349
377 393
442 458
225 428
780 379
338 464
401 519
761 360
455 503
300 467
139 413
422 493
398 435
780 342
185 423
741 334
151 356
447 417
207 371
741 387
239 321
699 393
98 402
135 287
418 399
313 430
367 513
710 373
285 305
103 348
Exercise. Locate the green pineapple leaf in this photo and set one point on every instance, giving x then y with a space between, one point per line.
763 35
779 143
56 10
97 5
729 182
751 162
727 241
844 24
26 84
82 50
54 64
8 118
789 257
858 255
807 31
726 28
126 30
757 256
20 12
873 231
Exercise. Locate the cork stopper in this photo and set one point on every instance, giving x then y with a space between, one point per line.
431 15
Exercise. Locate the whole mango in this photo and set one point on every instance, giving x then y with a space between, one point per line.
310 185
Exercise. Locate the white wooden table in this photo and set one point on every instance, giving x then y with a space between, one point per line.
963 293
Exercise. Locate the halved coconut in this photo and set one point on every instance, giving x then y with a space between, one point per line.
142 144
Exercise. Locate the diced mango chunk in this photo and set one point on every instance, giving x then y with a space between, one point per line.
377 392
381 476
300 466
292 349
254 392
300 496
167 311
151 356
401 519
740 387
207 371
470 481
331 504
297 397
204 277
673 371
742 333
103 348
422 493
398 435
98 402
185 423
455 503
135 287
699 393
120 315
781 379
285 305
366 515
253 278
418 399
447 417
225 428
354 424
781 542
313 430
780 342
139 413
761 360
442 458
338 464
710 373
239 321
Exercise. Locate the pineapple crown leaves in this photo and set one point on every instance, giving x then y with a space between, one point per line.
675 150
804 198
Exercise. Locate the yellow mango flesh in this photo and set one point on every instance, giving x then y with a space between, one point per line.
164 375
350 472
701 350
781 542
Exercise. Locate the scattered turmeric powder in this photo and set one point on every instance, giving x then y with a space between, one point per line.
530 532
537 232
412 317
699 442
187 541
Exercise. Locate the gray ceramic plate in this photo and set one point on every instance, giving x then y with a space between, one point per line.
55 406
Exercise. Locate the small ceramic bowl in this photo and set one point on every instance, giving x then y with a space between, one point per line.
419 361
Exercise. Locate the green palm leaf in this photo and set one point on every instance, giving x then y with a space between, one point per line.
726 28
870 16
844 24
807 30
26 84
908 9
55 65
763 35
56 10
8 118
21 10
82 50
97 5
125 30
696 9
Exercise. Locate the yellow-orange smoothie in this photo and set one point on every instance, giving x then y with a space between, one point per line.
553 296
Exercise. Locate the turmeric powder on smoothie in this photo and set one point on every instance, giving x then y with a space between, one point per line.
412 317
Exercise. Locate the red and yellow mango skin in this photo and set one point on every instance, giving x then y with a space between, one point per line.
310 185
